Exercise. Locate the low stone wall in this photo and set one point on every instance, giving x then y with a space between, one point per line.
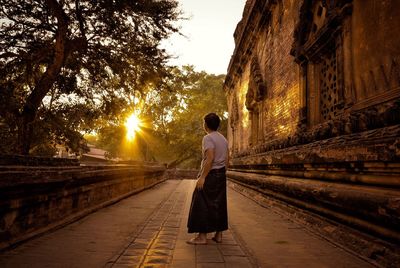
34 200
22 160
179 174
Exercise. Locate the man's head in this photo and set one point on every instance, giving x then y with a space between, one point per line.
212 121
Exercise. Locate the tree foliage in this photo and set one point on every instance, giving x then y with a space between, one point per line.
173 119
178 117
65 63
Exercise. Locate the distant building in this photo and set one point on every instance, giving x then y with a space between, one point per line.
95 155
63 152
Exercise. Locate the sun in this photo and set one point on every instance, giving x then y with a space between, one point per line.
132 125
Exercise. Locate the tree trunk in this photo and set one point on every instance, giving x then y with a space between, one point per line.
25 132
45 83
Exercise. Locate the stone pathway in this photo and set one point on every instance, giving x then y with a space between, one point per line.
275 240
154 244
162 240
149 230
227 254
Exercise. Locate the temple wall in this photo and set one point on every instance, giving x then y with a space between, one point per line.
375 51
313 91
305 71
280 74
277 112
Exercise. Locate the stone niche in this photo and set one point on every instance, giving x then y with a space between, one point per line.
313 91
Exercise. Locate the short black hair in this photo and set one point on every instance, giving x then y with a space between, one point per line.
212 121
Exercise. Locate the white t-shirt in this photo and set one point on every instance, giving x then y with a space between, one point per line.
215 140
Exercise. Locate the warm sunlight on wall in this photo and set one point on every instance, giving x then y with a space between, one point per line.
242 100
283 113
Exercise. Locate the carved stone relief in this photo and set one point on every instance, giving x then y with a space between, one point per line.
378 85
234 120
318 48
377 117
256 93
257 89
329 86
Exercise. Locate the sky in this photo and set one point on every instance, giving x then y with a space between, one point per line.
209 42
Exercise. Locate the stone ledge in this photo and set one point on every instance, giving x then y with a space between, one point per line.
176 173
22 160
32 203
374 210
381 144
371 249
373 173
30 176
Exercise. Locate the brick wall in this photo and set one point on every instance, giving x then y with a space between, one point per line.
282 103
280 110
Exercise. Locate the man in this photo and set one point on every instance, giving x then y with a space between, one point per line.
208 211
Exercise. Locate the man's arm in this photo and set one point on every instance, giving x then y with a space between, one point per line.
227 159
206 168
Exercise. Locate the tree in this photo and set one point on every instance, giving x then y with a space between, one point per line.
173 119
76 57
177 117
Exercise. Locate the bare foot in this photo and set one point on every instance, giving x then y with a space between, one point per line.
217 237
197 241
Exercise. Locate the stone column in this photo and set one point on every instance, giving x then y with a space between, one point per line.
348 75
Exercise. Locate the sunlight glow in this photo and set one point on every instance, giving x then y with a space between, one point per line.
132 125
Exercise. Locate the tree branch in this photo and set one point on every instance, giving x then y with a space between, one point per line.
49 77
80 19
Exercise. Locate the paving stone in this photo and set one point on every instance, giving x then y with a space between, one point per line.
154 225
150 265
157 259
122 266
137 245
227 239
183 264
167 237
210 265
230 250
129 260
174 224
134 252
208 253
163 246
169 231
146 241
237 262
148 234
149 228
185 254
107 265
159 252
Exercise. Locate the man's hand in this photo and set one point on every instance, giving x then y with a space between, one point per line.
200 183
